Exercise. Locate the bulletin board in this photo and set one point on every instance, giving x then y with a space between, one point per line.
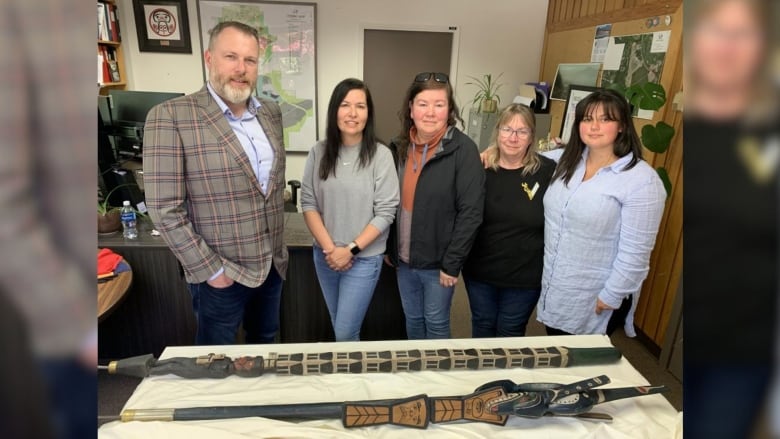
575 46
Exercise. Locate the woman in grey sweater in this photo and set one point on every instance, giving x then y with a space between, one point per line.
349 196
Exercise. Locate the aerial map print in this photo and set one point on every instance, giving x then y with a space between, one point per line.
641 62
287 72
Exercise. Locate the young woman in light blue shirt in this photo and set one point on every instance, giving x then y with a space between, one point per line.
602 212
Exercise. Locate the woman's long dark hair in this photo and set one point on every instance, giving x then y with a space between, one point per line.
616 107
405 114
333 134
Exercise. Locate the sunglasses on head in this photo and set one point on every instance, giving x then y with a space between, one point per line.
438 77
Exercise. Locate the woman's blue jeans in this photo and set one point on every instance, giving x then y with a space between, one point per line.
425 301
499 312
348 293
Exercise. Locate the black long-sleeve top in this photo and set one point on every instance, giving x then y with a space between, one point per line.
509 249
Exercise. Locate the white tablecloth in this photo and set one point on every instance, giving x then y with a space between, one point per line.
643 417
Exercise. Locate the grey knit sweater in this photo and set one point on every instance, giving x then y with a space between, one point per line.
355 197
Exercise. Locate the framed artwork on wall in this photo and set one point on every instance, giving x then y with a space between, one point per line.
287 72
572 74
576 94
162 26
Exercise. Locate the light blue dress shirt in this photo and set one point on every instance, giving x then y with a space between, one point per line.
253 139
598 236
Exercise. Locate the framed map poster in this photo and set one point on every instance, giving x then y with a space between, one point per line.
287 72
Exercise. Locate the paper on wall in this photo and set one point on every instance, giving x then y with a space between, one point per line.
600 42
660 41
644 114
613 55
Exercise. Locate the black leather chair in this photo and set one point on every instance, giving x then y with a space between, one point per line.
292 204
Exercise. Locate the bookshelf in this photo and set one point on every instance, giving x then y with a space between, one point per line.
109 48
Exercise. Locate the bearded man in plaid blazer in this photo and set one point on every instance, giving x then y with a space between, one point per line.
214 179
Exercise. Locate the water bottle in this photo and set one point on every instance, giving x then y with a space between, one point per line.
127 215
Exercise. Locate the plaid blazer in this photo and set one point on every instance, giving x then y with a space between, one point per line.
203 196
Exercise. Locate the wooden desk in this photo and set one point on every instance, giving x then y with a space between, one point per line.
111 292
157 311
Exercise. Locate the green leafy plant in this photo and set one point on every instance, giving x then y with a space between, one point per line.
104 208
487 89
658 137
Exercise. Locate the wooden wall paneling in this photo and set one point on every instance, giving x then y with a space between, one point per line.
593 8
554 12
616 12
560 11
654 308
567 10
677 267
584 8
657 299
599 9
574 11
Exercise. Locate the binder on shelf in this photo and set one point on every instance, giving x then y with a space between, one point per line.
102 25
100 69
110 23
114 70
106 72
115 36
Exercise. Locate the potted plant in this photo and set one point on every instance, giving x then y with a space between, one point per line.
658 137
487 89
108 219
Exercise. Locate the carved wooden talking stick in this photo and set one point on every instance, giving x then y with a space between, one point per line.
492 402
220 366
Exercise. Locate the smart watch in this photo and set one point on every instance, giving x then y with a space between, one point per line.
353 248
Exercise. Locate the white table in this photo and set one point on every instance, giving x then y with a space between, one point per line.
643 417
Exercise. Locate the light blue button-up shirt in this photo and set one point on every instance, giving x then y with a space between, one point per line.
252 137
598 236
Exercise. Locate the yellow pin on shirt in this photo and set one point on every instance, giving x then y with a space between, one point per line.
530 192
761 162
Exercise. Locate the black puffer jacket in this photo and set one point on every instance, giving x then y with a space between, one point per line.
448 204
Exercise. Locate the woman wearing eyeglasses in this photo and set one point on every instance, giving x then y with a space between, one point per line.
442 197
503 273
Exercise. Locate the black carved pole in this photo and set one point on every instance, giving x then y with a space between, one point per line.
219 365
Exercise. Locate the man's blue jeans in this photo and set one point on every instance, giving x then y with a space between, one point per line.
425 301
220 311
348 293
499 312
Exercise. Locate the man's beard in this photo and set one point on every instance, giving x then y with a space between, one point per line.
228 92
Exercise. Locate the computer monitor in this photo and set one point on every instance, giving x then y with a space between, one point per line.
128 115
131 106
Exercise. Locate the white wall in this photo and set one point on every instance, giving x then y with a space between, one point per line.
495 36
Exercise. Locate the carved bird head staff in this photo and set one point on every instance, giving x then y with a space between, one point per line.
534 400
